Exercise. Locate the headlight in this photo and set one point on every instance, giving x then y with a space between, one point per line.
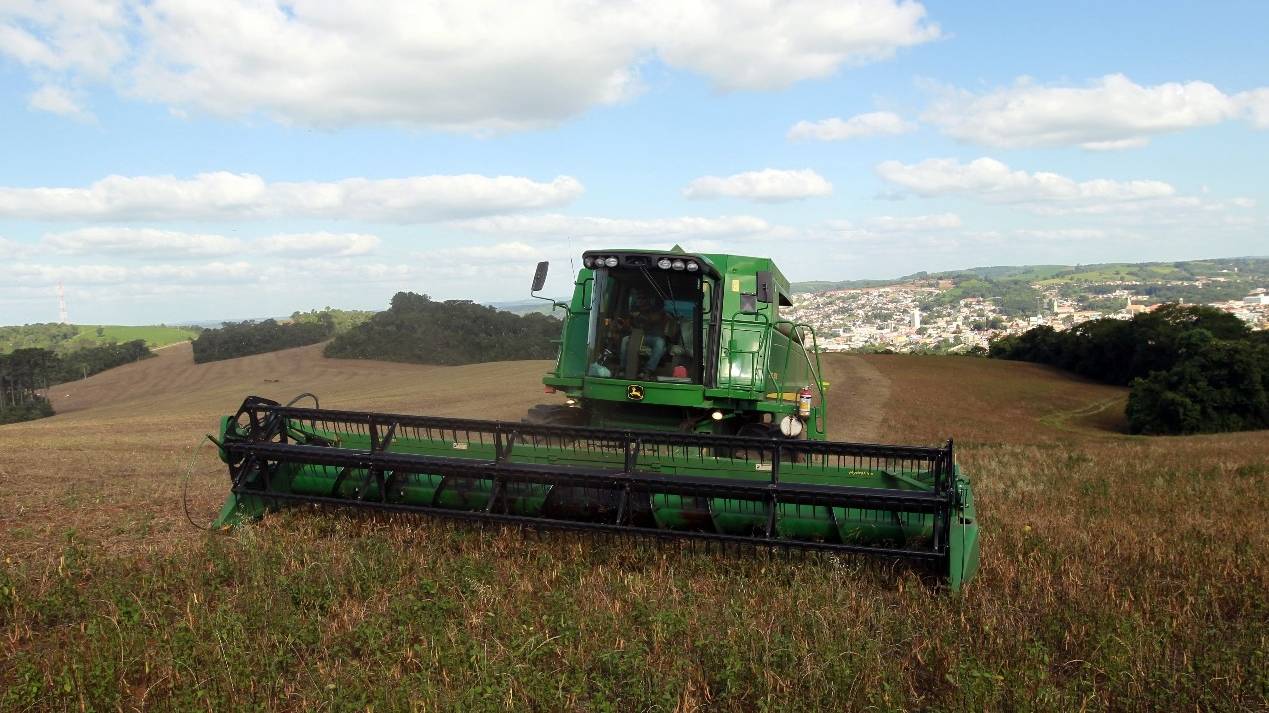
587 261
791 426
611 262
677 264
664 263
692 266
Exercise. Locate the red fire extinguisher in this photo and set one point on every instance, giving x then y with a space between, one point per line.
804 401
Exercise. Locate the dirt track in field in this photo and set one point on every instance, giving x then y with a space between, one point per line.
858 397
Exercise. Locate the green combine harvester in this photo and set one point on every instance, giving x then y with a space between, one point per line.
691 410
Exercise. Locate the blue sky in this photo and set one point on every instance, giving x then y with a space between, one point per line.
172 161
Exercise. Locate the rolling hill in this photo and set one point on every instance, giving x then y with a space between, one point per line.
1118 572
62 338
1242 267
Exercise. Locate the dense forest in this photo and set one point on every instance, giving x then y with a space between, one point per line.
237 339
26 372
418 329
342 319
1192 369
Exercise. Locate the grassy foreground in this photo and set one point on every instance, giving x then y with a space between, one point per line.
1118 573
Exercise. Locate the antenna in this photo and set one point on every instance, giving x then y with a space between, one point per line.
61 304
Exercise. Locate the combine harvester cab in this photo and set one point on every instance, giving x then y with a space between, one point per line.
691 411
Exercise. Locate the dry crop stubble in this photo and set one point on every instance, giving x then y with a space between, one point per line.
1118 572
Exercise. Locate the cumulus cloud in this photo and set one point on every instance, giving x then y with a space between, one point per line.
877 123
208 275
1109 113
1256 104
1062 235
992 181
313 244
586 227
35 274
914 223
85 37
154 244
57 100
768 185
11 250
502 263
327 271
771 45
227 196
467 65
140 242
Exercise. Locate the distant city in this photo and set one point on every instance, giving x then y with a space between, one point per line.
964 311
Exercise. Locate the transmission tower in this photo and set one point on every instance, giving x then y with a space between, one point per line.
61 304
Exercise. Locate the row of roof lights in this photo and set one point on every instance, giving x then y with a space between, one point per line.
598 261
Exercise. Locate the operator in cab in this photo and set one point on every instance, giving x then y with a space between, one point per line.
645 322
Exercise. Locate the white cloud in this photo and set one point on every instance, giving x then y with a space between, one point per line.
141 242
314 244
34 274
332 271
85 37
768 185
154 244
763 45
57 100
1256 104
1110 113
468 65
877 123
992 181
1061 235
563 227
914 223
11 250
514 250
502 263
225 196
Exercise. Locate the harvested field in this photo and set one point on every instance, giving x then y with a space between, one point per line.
1118 572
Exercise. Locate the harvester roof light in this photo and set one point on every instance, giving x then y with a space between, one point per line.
716 415
664 263
677 265
611 262
692 266
587 261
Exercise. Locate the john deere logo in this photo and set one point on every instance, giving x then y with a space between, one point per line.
634 392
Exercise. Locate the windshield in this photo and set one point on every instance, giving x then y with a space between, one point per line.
647 325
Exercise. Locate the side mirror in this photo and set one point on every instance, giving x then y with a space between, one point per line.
539 276
764 286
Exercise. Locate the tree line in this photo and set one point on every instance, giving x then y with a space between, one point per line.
1191 368
237 339
418 329
25 373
